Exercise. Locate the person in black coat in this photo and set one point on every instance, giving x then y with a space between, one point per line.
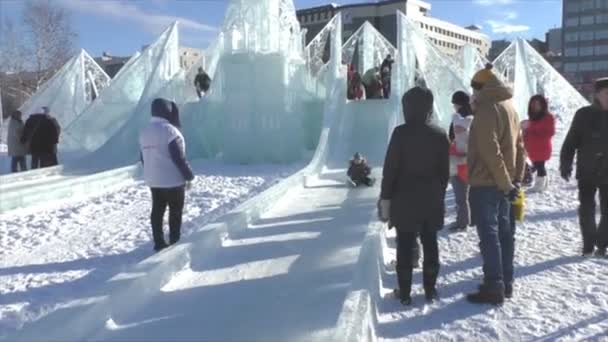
202 82
42 132
588 139
415 178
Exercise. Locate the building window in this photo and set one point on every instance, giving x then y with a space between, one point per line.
586 51
572 22
601 50
587 5
571 52
571 37
585 66
600 65
570 67
587 20
601 34
601 19
586 35
572 7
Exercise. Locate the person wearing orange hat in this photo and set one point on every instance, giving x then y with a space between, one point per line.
496 163
588 139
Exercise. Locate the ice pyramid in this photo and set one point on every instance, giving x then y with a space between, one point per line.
367 48
166 80
529 73
115 105
434 69
318 50
72 88
469 61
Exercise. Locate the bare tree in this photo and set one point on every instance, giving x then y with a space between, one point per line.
30 53
49 39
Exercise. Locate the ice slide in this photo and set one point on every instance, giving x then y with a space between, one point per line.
280 267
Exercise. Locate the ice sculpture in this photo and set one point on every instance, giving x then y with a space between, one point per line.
469 61
115 105
70 90
167 80
366 48
254 109
434 67
531 74
318 50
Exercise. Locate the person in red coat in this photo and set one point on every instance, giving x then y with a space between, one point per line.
538 131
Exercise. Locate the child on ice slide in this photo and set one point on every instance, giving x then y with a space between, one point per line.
359 171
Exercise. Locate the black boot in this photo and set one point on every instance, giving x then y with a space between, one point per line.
488 295
160 246
430 280
404 276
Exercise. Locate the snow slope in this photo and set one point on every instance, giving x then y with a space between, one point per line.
53 255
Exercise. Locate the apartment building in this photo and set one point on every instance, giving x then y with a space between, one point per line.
585 42
448 37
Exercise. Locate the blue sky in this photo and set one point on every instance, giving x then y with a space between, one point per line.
122 27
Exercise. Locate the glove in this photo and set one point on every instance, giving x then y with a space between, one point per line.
384 207
513 193
566 174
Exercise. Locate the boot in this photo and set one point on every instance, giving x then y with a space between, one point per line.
429 281
488 295
404 277
539 185
404 301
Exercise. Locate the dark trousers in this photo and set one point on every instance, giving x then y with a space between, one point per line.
407 245
593 235
18 164
43 160
496 230
541 170
174 199
363 181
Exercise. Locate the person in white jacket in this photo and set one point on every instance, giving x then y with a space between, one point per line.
459 138
166 170
16 149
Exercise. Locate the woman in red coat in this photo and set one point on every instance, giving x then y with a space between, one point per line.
538 131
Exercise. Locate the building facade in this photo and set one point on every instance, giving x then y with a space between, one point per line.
498 46
448 37
585 42
554 41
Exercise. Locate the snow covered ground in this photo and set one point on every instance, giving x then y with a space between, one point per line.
558 294
53 255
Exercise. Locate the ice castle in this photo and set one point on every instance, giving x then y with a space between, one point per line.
272 98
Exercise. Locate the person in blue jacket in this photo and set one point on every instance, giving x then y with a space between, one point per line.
166 170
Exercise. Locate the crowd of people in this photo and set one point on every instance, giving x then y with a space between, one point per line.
375 83
484 156
37 137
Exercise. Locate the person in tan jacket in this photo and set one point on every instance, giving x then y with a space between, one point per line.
496 162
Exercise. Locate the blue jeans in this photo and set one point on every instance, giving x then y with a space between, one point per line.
496 230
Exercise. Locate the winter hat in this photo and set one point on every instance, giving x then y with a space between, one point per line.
601 83
460 98
161 108
357 156
482 77
46 110
417 105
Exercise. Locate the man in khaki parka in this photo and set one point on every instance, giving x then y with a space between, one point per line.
496 160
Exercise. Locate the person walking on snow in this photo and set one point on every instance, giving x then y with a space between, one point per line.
496 160
359 171
538 131
202 82
413 190
16 149
166 170
459 137
588 139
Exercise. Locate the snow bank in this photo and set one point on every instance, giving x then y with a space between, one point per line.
55 256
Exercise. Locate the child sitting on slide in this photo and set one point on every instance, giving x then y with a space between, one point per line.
359 172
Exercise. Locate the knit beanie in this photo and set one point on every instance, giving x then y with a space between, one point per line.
482 77
161 108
